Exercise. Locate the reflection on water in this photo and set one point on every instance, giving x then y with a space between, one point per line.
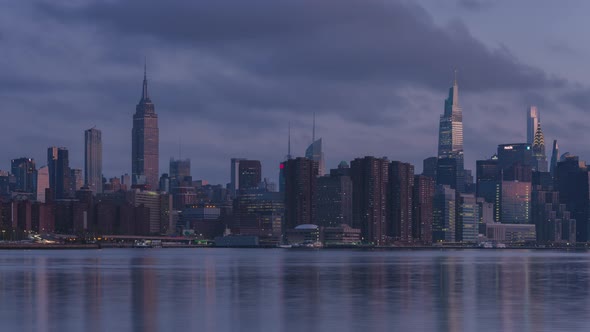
286 290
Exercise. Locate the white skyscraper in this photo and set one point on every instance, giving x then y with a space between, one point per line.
533 116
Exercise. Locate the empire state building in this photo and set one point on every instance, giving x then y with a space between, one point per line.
145 141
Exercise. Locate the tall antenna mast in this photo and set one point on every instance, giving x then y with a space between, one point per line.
289 143
313 130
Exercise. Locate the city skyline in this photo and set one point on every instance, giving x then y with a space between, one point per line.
493 98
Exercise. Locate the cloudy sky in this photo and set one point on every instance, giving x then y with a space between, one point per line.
227 76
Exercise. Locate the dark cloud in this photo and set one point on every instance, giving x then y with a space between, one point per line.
475 5
226 76
394 43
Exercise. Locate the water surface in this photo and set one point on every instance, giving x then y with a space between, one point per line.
290 290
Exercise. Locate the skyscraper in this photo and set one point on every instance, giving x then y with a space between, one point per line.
334 198
315 153
369 198
539 156
59 172
234 184
145 141
401 186
554 157
572 183
24 171
450 139
93 160
444 214
532 122
42 183
179 170
249 174
300 190
422 200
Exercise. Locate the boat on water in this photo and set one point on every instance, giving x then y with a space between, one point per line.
142 244
285 246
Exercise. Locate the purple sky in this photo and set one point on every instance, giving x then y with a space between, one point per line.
227 76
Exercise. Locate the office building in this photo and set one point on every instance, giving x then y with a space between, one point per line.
179 170
93 160
59 172
450 140
145 142
24 171
515 206
42 183
468 218
429 166
444 214
571 181
249 174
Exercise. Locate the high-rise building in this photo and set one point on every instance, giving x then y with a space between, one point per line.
422 213
259 212
444 214
334 198
450 139
533 118
59 172
145 141
249 174
488 184
42 183
76 180
93 160
554 223
429 167
468 218
571 181
179 171
315 153
539 156
300 190
24 172
234 184
554 157
369 198
401 187
515 207
510 154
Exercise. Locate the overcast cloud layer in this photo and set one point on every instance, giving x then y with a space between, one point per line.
227 76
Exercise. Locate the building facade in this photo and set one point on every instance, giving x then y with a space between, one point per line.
93 160
145 142
369 198
450 139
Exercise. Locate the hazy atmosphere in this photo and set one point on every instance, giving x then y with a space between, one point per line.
227 76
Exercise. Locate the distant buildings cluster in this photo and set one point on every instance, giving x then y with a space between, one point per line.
515 195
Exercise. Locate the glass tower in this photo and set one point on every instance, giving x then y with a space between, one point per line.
450 138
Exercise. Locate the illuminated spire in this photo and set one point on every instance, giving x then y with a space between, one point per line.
539 138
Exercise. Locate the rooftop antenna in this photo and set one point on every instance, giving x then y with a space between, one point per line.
455 81
289 143
179 148
313 130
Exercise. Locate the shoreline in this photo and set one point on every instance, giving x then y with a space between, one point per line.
35 246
